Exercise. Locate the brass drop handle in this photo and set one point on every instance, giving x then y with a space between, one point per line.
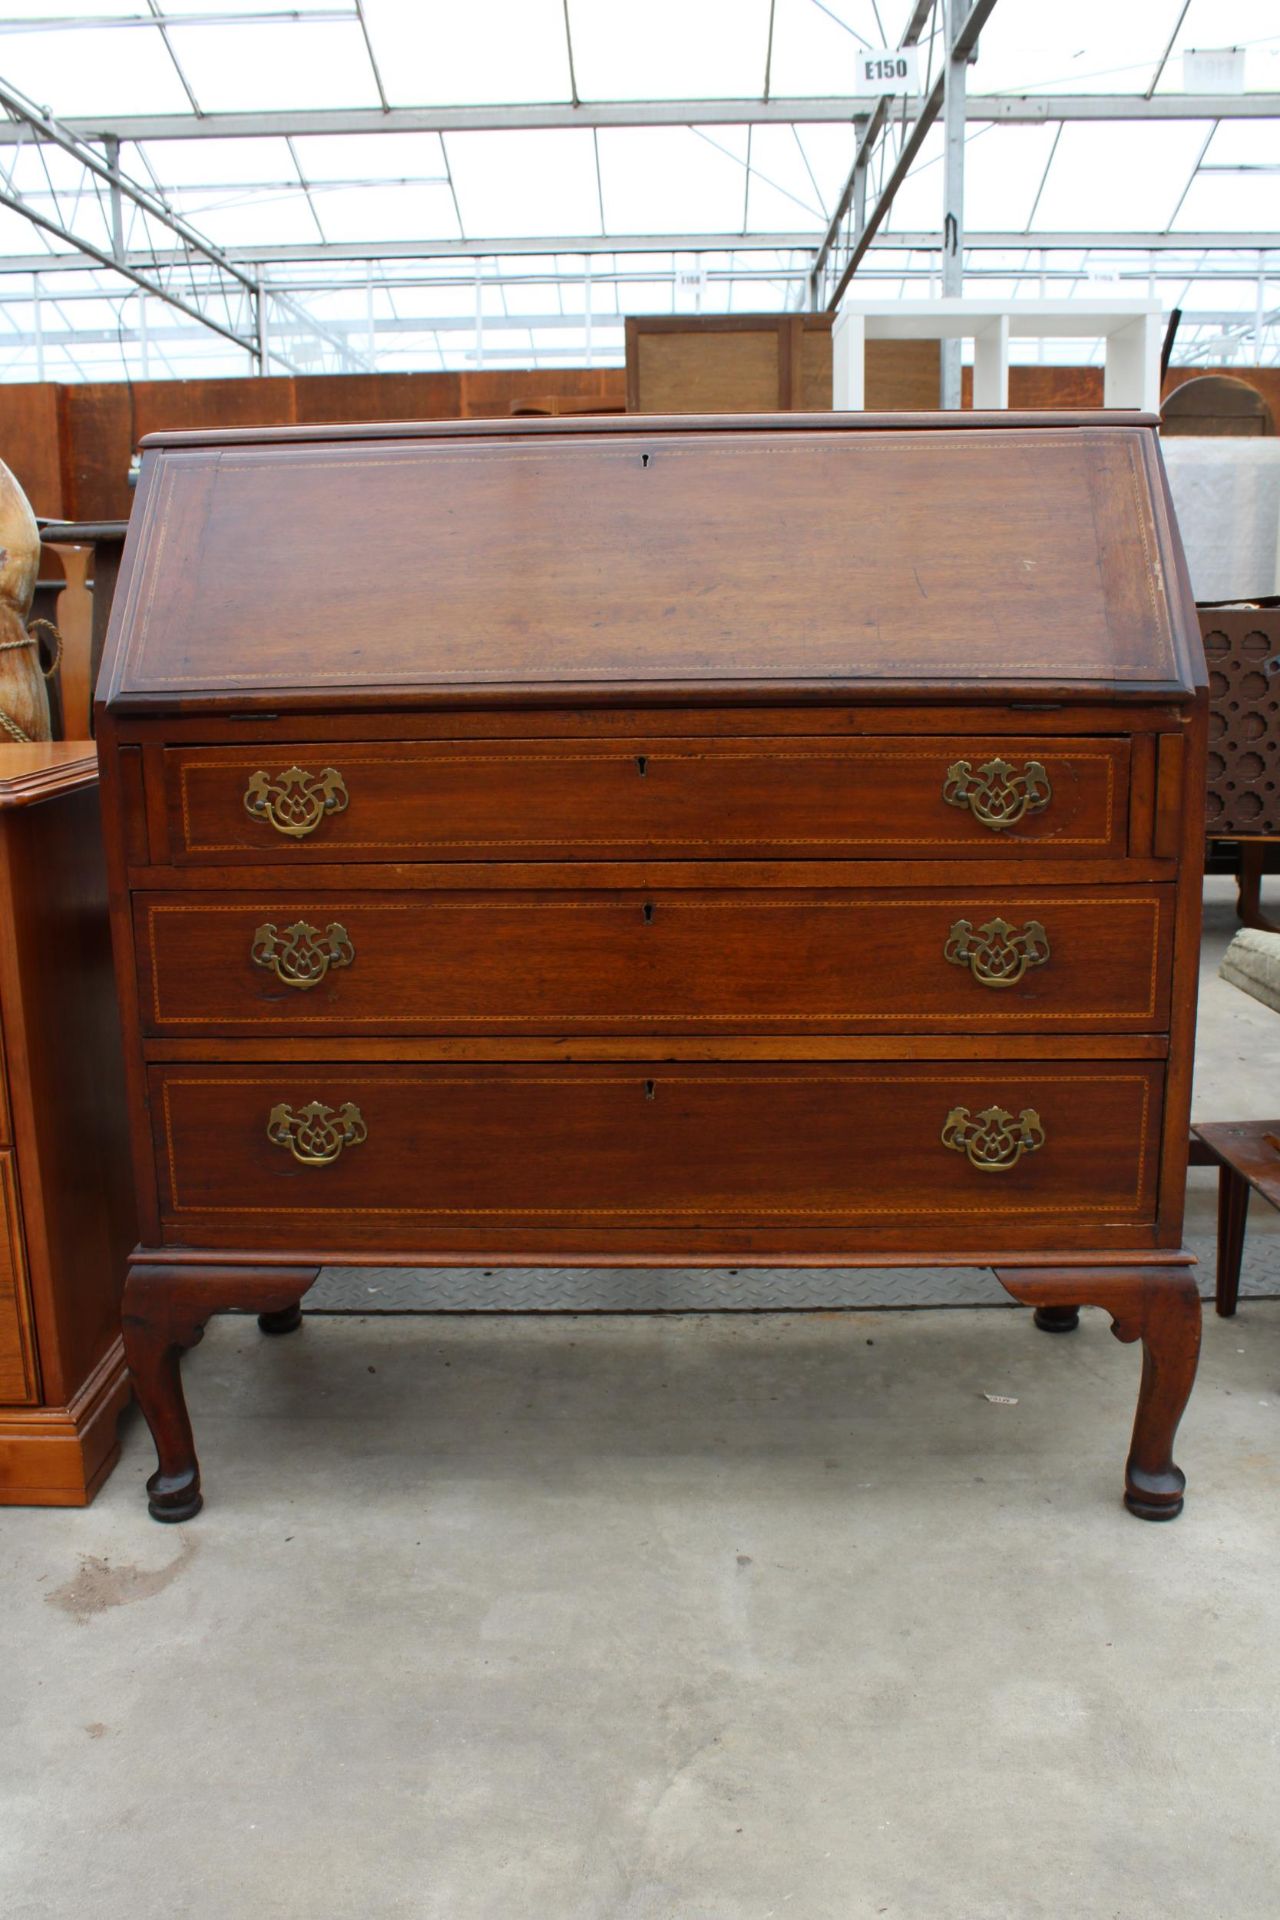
301 956
993 1141
998 954
997 795
315 1134
295 802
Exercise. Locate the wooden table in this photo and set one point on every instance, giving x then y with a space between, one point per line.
768 840
1247 1156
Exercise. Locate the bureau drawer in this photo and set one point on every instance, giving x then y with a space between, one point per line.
346 1157
966 797
714 962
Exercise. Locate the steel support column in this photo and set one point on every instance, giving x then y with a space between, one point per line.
955 77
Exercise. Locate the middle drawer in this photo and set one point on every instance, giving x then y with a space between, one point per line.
1013 959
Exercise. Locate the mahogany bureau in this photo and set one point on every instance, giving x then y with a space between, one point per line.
741 840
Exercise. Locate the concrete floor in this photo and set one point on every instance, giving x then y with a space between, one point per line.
645 1618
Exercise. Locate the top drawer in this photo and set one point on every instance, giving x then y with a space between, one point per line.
960 797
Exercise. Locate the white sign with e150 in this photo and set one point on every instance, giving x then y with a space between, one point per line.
891 70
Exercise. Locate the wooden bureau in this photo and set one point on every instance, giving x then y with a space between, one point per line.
744 840
66 1205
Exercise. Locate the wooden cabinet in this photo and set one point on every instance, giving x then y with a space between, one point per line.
765 840
66 1201
754 362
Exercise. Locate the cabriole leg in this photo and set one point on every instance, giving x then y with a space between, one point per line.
165 1310
1161 1307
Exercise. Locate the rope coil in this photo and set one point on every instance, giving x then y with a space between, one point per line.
30 639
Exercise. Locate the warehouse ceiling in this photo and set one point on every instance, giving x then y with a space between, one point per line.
203 186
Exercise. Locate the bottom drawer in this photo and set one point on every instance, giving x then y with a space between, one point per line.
17 1358
348 1156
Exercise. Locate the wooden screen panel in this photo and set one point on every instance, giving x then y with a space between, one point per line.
708 372
1243 796
902 376
30 444
759 363
811 371
377 396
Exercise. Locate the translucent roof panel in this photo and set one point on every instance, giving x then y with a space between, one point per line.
1004 168
1093 184
784 189
490 50
93 70
814 48
674 179
257 65
192 163
371 157
1230 202
1095 46
231 217
518 184
416 212
669 49
385 170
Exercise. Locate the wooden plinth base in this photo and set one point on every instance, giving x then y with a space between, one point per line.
60 1456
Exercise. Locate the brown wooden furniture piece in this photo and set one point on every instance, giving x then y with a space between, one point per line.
106 540
65 1190
1247 1156
759 841
50 585
1218 404
752 362
1242 794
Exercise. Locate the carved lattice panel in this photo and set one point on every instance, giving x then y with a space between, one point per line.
1243 795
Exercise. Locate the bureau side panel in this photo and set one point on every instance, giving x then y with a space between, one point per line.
64 1057
17 1350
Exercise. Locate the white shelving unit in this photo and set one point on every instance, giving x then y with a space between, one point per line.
1132 330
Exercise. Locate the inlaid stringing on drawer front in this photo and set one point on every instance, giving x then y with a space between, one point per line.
961 795
771 1144
438 961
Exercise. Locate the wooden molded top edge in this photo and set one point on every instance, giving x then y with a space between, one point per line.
43 768
1033 696
1007 1262
637 423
